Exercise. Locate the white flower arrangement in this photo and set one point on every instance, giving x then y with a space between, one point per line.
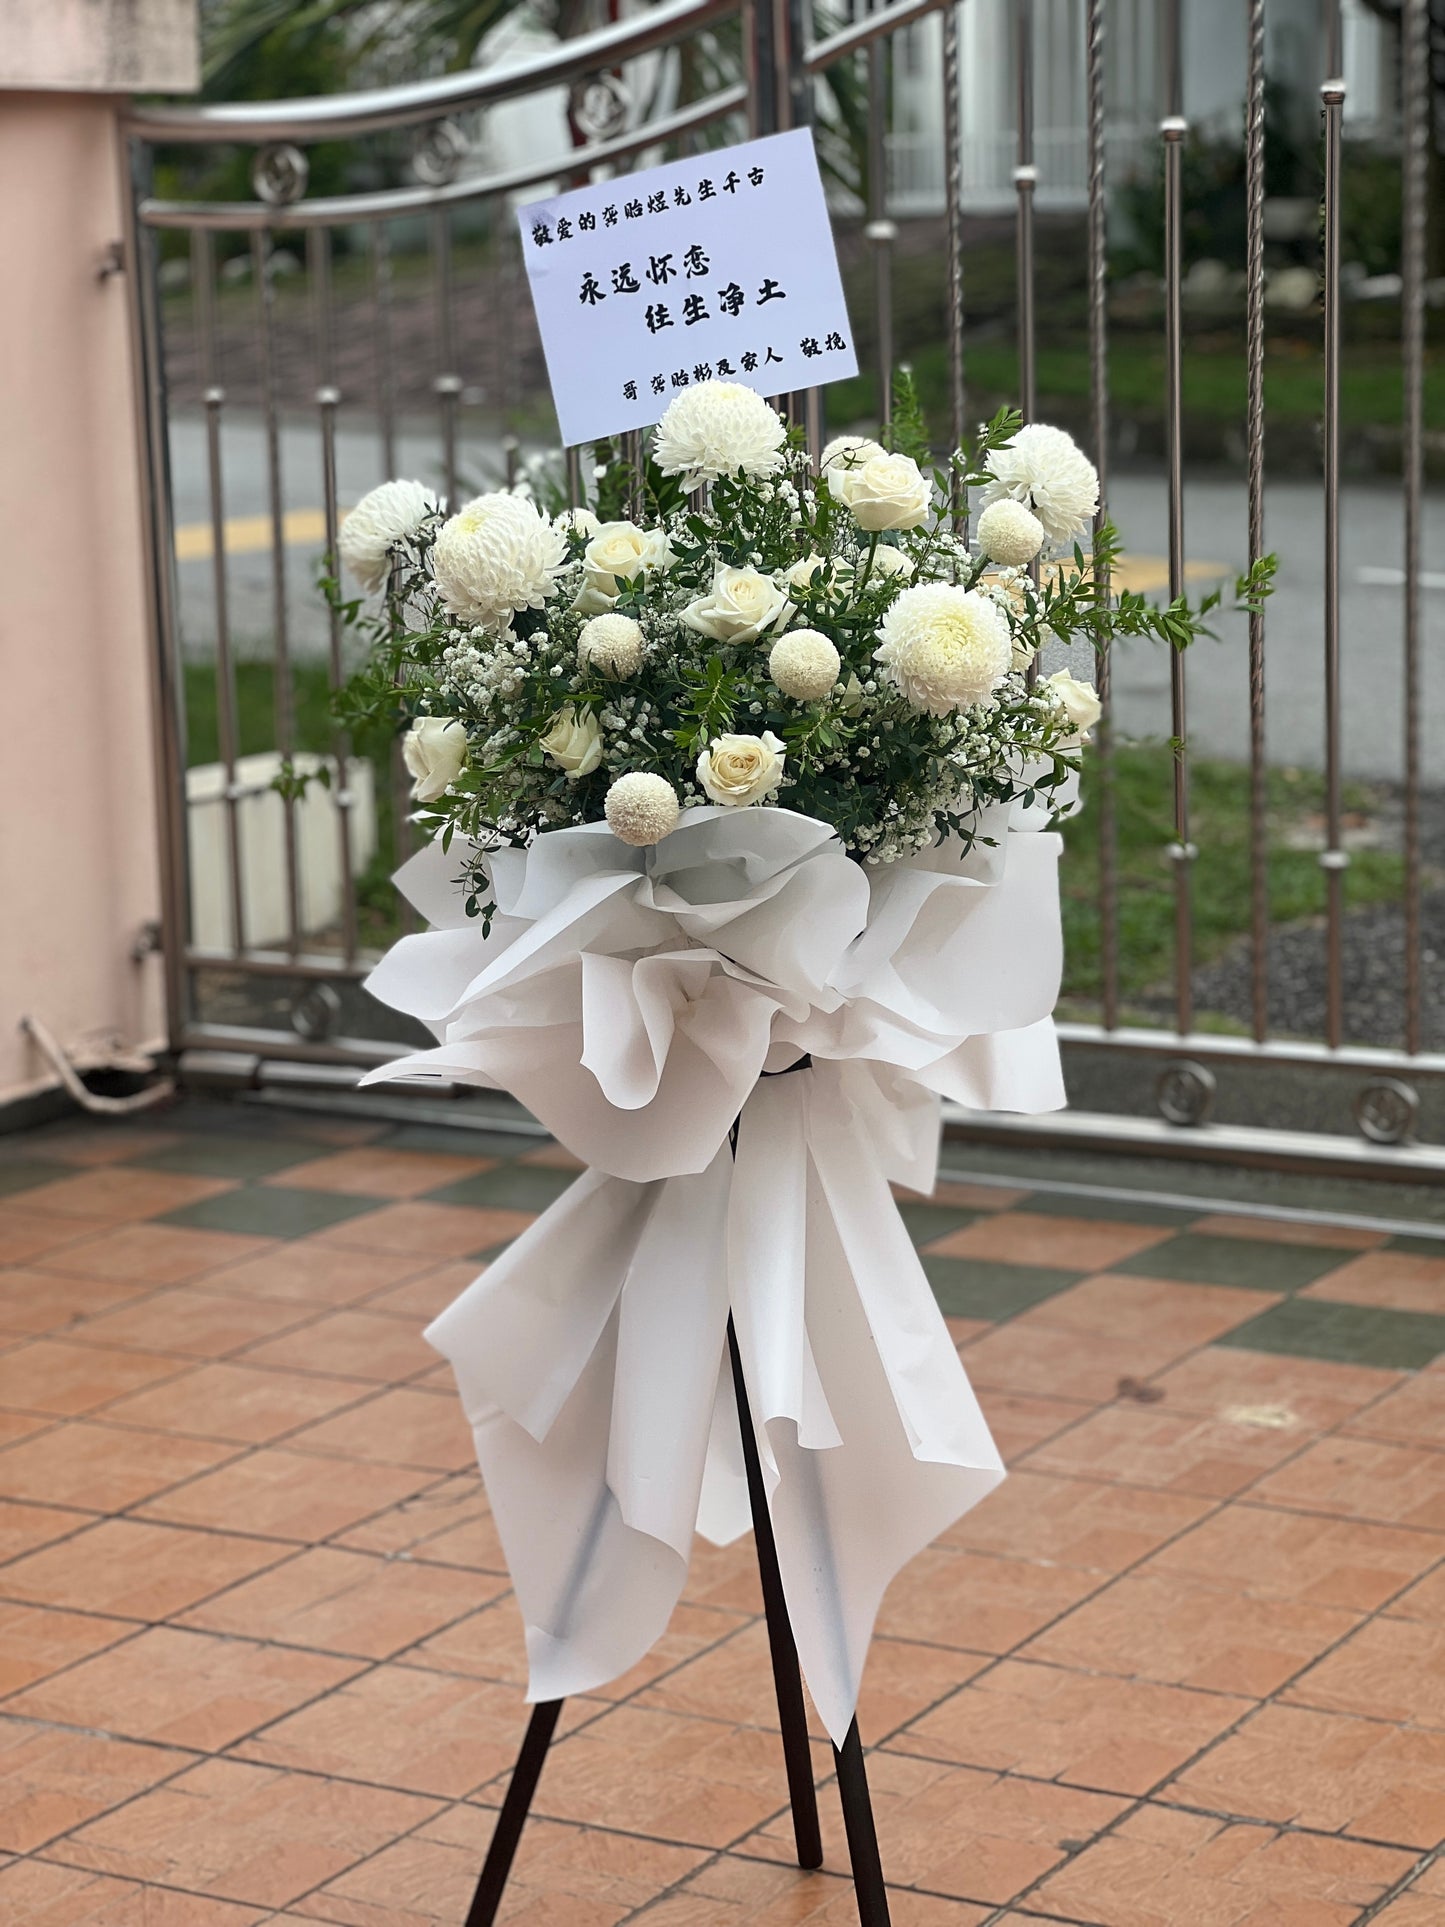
820 638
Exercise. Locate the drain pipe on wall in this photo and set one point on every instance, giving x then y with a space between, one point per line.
64 1066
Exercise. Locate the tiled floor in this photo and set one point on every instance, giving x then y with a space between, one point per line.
259 1660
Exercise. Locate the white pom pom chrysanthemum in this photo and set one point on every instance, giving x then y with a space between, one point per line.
943 647
1009 533
641 809
371 531
716 429
496 556
804 665
610 644
1047 471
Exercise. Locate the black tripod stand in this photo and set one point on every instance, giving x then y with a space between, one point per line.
852 1774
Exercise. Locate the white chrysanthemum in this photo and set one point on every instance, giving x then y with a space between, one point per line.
716 429
1047 471
804 665
390 514
610 644
1009 533
641 809
498 555
944 647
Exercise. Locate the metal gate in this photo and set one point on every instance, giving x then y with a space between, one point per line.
295 347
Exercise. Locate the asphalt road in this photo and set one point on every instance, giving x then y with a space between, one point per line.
1218 717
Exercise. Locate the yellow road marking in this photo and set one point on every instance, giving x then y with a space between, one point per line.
306 528
250 534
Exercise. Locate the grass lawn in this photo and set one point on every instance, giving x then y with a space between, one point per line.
1219 826
1144 805
1213 381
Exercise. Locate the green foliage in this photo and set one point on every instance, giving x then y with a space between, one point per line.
1220 825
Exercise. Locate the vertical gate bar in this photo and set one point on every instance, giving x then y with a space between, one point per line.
953 214
380 264
1334 859
447 386
881 232
328 398
1173 130
283 706
1254 436
147 369
1025 179
1099 424
214 396
1415 65
761 68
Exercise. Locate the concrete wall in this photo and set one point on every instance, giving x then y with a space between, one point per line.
78 865
100 46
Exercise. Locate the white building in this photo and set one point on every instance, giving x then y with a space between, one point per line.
1213 61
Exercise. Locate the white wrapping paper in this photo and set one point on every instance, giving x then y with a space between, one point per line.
632 1000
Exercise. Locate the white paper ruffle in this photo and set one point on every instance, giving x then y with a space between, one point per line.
632 1000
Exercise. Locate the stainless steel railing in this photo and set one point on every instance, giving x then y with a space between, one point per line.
298 373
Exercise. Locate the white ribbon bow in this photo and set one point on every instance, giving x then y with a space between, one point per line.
632 1000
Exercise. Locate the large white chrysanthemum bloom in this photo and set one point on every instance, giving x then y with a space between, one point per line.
804 665
610 644
496 556
1009 533
716 429
1048 472
371 531
641 809
944 647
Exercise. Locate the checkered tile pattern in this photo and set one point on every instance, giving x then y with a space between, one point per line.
259 1660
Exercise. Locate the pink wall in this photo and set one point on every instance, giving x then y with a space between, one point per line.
78 866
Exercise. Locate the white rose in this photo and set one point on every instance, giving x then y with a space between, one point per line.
885 492
892 562
737 770
434 750
371 531
741 606
574 742
805 574
621 552
1079 702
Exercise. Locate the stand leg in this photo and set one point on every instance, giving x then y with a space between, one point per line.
868 1885
513 1816
787 1680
